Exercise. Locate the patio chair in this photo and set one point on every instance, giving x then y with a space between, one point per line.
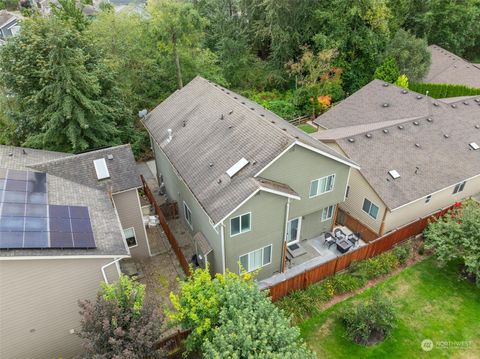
339 234
353 239
329 239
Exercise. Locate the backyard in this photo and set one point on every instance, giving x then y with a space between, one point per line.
431 303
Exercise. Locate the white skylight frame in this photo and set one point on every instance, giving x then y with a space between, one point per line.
394 174
232 171
474 146
101 168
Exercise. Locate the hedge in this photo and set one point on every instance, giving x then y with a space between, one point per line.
444 90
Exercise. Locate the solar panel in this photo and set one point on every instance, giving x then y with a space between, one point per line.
28 221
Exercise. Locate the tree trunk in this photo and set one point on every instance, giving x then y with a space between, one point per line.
177 63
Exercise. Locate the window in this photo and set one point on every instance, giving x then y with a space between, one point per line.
428 198
327 213
322 185
129 234
347 192
459 187
240 224
370 208
188 214
256 259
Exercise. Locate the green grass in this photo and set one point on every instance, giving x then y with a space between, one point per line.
431 303
305 127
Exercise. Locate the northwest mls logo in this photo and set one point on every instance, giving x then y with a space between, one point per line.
427 345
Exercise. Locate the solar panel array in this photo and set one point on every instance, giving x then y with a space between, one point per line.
28 221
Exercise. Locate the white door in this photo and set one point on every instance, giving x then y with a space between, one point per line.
293 230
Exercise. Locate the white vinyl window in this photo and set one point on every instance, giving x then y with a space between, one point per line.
256 259
240 224
188 214
459 187
322 185
327 213
129 234
370 208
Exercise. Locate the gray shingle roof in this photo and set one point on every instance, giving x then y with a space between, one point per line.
80 169
213 128
367 106
61 190
6 17
448 68
441 161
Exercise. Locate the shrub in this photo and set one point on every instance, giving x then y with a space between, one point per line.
403 252
444 90
345 282
375 267
370 321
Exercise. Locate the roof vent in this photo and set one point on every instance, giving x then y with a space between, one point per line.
243 102
419 97
454 106
230 112
385 130
235 97
473 146
435 104
110 157
351 140
477 100
385 84
101 168
368 135
251 108
401 127
263 115
170 134
477 126
284 129
221 117
446 136
394 174
386 104
429 119
210 164
417 145
184 123
416 123
404 92
230 126
465 103
237 167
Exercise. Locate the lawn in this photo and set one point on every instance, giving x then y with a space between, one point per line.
431 303
305 127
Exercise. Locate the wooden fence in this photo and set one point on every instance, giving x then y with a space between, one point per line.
172 343
371 249
163 222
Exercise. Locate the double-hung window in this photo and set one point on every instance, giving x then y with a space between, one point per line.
240 224
327 213
256 259
322 185
370 208
129 234
459 187
188 214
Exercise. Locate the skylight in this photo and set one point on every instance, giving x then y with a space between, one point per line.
232 171
101 168
474 146
394 174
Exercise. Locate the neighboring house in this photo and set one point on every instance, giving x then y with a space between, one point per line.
448 68
245 180
9 25
65 222
417 154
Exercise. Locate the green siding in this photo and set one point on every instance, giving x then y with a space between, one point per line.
267 227
178 191
297 168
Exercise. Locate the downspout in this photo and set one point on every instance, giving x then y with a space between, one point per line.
222 242
108 264
284 249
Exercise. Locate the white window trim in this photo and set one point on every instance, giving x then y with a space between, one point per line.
365 198
134 235
248 254
185 214
241 232
318 186
326 208
299 230
459 185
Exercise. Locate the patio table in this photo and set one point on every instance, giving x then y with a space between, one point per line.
343 245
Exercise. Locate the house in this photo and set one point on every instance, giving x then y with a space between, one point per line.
9 25
417 154
65 223
246 181
448 68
